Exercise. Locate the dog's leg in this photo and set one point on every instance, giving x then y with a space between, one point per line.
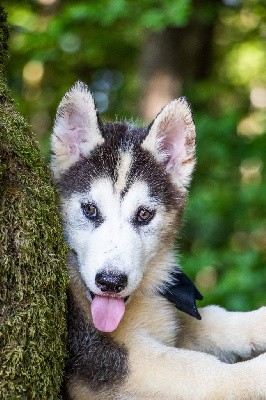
160 372
230 336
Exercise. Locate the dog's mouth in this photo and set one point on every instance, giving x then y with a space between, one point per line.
107 311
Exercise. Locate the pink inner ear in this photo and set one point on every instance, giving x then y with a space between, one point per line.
174 144
73 140
73 134
172 141
76 129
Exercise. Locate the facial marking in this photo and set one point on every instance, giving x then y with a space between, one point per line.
117 244
123 170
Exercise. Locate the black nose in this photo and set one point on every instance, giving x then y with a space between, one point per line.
111 282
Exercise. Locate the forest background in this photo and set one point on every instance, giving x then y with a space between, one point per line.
137 55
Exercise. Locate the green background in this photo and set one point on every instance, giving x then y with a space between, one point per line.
222 244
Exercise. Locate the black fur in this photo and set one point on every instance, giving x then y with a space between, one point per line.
93 357
182 293
145 168
104 161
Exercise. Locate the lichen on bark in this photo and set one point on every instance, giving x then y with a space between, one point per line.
33 273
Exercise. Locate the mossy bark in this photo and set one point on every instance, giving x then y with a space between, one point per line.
33 275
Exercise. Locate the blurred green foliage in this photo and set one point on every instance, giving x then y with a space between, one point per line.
54 43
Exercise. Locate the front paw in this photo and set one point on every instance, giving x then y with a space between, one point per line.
257 375
258 331
249 379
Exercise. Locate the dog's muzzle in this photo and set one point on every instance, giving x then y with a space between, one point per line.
111 283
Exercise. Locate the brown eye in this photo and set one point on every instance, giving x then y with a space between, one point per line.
90 210
144 216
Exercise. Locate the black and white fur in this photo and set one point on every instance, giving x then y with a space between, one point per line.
123 190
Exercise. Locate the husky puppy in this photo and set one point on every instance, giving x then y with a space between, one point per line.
123 190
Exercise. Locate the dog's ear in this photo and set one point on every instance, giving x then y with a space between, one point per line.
171 139
76 130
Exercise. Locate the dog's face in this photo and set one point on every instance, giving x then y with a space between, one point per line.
122 193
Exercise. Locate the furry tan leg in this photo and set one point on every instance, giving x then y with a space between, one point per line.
230 336
160 372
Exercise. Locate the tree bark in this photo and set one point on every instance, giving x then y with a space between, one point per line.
33 275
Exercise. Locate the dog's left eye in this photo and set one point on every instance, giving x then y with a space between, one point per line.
144 216
90 210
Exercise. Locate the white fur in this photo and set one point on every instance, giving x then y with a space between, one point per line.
171 140
123 169
76 130
116 244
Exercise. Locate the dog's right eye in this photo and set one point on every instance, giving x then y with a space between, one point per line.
90 211
144 216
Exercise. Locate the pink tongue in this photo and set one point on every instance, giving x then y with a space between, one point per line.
107 312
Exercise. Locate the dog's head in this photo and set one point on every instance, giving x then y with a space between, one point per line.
122 192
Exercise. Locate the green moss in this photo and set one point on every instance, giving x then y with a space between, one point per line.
33 274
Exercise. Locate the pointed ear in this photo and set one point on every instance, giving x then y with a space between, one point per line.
76 130
171 139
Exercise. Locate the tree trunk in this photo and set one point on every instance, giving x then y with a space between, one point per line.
33 274
174 56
